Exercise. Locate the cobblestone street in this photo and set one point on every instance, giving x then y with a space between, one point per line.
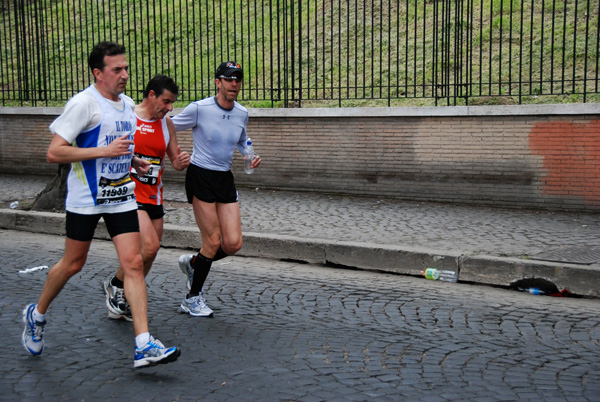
286 331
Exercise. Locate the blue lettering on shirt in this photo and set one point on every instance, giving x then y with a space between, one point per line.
123 125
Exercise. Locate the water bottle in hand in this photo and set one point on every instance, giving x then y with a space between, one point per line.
248 157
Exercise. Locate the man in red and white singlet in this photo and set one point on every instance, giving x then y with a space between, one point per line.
154 138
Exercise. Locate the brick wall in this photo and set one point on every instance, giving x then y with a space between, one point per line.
522 156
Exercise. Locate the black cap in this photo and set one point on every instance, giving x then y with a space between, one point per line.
228 69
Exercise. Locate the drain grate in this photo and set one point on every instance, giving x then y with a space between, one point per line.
572 255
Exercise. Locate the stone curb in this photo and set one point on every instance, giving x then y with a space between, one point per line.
479 269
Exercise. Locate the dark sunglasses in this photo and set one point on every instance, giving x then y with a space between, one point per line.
230 79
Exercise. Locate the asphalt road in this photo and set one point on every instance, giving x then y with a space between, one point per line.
287 331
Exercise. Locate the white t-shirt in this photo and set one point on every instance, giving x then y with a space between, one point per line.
100 185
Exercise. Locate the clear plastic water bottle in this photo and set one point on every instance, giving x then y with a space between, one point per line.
448 276
248 157
441 275
431 273
14 205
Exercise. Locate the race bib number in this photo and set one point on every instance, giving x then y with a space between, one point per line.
151 177
115 191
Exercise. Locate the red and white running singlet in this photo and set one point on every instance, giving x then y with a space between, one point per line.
151 140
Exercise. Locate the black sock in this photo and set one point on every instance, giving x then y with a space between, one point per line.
116 282
201 266
220 254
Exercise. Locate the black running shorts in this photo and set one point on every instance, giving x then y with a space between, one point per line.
153 211
82 227
210 185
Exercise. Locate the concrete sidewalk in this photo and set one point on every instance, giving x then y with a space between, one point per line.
485 245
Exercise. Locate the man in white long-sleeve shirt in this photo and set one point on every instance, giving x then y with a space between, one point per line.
218 127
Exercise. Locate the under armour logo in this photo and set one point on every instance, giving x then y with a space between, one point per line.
226 117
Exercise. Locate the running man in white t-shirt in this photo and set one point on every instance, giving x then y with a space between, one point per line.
95 134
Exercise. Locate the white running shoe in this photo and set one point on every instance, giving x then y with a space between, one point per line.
153 353
196 306
33 334
186 267
118 308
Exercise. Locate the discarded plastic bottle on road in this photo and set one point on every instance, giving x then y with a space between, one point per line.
14 205
442 275
533 291
248 157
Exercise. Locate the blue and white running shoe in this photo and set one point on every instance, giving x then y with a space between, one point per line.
33 334
153 353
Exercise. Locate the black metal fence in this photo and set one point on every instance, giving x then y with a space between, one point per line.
312 53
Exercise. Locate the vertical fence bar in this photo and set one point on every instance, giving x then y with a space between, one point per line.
298 89
451 48
597 51
448 50
553 35
435 59
470 56
286 58
542 26
271 76
500 34
531 34
262 52
458 64
158 39
205 71
279 83
400 63
14 57
510 24
337 52
415 46
521 52
316 50
5 49
349 31
564 47
185 64
21 51
585 63
381 82
364 49
80 71
238 38
406 51
480 92
389 55
574 76
355 41
424 45
42 45
256 41
490 70
440 89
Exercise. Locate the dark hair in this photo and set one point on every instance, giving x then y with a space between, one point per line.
96 59
159 83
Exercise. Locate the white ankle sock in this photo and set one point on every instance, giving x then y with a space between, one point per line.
142 339
37 316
